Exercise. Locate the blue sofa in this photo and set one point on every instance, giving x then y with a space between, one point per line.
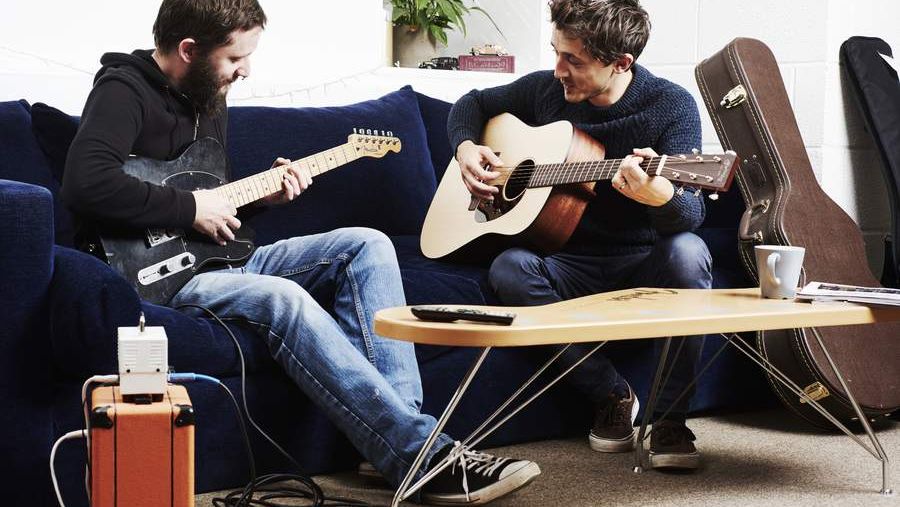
61 307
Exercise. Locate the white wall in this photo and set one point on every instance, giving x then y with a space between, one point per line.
50 49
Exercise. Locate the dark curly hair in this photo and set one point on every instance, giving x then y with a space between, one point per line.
209 22
608 28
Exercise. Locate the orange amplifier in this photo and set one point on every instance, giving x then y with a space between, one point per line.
142 453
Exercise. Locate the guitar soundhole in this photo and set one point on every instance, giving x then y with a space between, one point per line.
509 194
517 182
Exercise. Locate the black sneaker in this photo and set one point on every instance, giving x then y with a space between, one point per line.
672 446
613 429
476 478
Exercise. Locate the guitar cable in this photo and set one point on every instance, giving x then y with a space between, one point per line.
306 489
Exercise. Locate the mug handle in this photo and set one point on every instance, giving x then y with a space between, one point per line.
771 260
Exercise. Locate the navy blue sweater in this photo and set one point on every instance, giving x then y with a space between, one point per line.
653 113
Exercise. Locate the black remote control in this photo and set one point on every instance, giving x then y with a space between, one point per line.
447 314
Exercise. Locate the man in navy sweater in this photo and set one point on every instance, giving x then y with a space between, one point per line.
636 232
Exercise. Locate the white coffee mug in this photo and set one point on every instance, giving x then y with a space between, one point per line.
779 270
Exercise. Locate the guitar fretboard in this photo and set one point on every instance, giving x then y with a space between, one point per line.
547 175
263 184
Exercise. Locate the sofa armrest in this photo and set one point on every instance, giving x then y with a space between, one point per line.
26 267
26 234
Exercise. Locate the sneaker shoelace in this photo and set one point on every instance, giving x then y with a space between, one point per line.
615 413
473 461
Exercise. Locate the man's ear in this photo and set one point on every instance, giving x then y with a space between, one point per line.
624 63
187 49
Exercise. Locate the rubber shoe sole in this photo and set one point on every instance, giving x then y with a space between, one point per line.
505 486
625 444
675 461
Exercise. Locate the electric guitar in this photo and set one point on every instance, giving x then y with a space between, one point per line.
545 186
160 261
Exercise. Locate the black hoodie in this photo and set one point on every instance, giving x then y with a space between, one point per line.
133 109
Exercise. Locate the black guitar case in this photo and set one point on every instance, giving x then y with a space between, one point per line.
876 88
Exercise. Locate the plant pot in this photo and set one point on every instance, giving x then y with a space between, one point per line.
413 46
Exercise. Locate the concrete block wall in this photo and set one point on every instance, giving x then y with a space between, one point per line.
805 36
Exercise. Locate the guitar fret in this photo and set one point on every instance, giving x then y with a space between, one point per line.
331 161
342 150
248 190
235 195
322 161
272 183
260 183
248 193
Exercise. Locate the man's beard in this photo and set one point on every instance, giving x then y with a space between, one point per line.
201 84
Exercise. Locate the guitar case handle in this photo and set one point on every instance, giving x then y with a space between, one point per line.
744 227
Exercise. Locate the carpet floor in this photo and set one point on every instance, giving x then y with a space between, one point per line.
766 458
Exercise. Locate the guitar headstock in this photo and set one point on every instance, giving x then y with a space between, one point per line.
373 143
714 172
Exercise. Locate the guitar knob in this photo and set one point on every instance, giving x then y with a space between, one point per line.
164 270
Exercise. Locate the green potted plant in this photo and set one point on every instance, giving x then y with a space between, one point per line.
420 24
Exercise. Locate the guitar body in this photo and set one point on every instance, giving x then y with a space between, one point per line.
160 261
786 206
542 218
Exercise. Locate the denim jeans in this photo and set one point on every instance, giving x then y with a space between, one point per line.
523 278
368 385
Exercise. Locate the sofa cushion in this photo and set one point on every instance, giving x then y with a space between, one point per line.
390 194
54 131
434 117
23 160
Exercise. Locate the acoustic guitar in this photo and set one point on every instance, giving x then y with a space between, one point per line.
544 187
160 261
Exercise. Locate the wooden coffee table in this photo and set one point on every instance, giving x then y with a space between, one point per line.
628 315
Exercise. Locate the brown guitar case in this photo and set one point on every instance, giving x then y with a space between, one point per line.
746 99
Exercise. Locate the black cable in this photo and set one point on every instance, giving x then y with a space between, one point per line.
245 497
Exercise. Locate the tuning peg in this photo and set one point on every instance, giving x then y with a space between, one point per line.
695 151
698 193
714 196
680 191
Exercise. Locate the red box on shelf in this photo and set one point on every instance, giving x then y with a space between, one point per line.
488 63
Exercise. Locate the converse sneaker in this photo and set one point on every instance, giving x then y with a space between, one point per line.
672 447
476 478
613 429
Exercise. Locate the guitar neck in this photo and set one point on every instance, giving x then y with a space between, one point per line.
263 184
548 175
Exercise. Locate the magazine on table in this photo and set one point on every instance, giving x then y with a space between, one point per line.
823 291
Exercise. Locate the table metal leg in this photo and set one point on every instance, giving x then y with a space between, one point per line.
779 376
882 456
405 490
651 405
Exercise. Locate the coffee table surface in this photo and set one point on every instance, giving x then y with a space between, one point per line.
630 314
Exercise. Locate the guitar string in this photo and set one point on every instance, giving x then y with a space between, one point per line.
279 173
527 171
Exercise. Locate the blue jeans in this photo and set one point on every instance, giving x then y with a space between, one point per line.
523 278
368 385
